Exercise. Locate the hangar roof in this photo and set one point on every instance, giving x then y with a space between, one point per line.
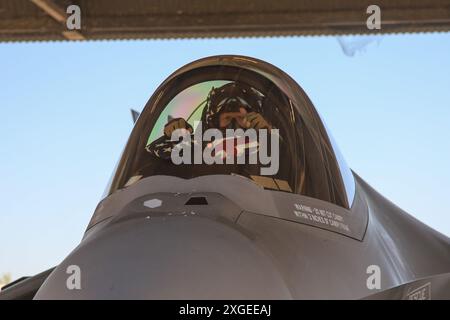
31 20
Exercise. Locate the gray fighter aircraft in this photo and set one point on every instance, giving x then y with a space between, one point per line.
306 227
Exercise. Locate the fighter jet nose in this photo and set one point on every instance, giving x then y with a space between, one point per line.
168 257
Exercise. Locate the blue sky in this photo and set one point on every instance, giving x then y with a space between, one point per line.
65 119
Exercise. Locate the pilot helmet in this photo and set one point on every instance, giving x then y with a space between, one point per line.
230 98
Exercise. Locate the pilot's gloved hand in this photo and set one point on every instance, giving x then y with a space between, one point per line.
174 124
256 121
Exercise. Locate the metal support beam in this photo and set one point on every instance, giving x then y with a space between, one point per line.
59 15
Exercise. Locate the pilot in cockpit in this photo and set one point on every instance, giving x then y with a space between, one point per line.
231 106
278 141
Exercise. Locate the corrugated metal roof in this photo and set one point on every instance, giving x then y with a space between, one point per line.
23 20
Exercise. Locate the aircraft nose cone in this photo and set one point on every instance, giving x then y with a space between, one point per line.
182 257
